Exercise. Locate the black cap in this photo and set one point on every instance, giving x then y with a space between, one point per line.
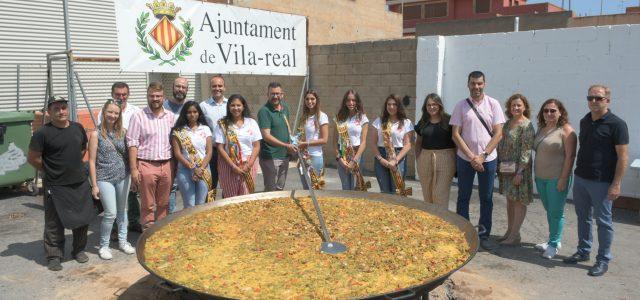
54 99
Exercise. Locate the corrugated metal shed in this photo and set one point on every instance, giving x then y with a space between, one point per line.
31 29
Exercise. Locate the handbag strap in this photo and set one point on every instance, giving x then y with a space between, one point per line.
544 137
108 138
484 123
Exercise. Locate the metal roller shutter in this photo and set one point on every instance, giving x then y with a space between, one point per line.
31 29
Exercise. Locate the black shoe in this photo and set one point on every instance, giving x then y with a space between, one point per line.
598 269
54 264
81 257
486 244
575 258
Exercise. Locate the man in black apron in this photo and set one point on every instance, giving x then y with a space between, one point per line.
57 149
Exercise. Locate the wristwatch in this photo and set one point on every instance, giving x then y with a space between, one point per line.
484 154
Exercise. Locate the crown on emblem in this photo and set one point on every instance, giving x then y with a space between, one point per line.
162 8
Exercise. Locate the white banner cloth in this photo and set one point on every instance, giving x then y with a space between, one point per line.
185 36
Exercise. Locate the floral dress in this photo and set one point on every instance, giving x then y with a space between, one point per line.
516 146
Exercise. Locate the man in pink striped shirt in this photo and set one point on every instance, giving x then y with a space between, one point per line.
150 156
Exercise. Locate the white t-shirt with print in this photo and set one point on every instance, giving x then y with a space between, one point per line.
312 133
354 128
198 139
397 134
248 133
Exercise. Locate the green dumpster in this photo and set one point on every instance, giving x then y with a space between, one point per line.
15 135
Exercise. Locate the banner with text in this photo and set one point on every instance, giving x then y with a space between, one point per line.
185 36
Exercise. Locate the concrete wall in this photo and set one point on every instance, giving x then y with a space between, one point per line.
619 19
558 63
338 21
373 69
495 24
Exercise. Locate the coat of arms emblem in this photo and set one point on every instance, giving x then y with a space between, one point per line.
173 42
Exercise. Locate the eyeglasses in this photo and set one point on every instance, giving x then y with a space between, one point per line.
597 98
549 110
276 94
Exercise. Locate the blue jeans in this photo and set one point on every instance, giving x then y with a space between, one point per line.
466 174
317 163
193 193
113 196
346 178
590 200
383 175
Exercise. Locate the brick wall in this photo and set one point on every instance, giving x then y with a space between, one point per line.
374 70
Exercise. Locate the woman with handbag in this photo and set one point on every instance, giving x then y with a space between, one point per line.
555 146
312 134
237 138
435 152
191 141
390 146
514 169
352 125
110 178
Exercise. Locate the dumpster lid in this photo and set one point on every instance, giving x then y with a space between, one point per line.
16 116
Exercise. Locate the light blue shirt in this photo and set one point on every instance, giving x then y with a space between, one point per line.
214 111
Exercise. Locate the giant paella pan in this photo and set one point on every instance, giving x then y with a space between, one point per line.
266 245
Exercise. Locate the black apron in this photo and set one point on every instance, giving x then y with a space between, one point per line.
73 203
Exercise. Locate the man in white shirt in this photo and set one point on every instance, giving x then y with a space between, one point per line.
214 109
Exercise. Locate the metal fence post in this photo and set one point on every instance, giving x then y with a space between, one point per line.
18 87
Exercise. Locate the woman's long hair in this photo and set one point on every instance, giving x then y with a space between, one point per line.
307 113
564 115
246 113
401 115
426 117
117 127
343 113
182 119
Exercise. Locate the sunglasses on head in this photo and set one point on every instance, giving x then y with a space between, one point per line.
117 102
597 98
549 110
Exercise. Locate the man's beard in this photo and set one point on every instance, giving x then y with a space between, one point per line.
180 96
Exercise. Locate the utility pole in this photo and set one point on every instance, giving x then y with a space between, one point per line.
601 3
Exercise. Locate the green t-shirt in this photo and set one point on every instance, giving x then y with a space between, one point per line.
269 118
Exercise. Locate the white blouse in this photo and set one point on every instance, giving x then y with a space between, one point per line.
354 128
397 134
198 139
312 133
248 133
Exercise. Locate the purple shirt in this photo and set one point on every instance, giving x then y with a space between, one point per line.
472 131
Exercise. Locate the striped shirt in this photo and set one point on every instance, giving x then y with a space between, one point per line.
151 133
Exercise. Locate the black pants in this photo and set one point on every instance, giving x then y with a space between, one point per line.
214 167
133 210
54 233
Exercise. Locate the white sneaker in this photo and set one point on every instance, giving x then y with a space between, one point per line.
543 246
550 252
127 248
105 253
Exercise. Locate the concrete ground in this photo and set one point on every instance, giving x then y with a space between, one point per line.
504 273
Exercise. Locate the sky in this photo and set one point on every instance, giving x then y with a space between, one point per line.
592 7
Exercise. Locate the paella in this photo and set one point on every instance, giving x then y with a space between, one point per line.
270 249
